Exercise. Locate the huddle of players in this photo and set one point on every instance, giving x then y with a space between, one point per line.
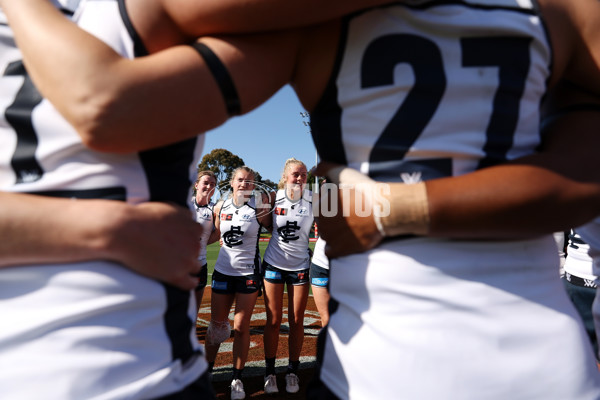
387 89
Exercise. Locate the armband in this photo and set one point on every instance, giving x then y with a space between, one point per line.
403 209
222 77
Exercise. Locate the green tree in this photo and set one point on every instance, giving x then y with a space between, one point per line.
269 183
222 162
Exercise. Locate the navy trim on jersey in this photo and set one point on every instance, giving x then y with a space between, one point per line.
178 324
139 48
68 13
19 115
435 3
327 132
167 171
166 167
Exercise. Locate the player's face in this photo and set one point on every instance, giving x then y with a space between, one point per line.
243 183
205 187
295 180
296 175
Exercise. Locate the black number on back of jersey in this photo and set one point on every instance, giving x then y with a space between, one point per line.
18 115
509 54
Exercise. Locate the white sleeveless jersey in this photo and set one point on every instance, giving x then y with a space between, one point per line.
288 247
425 90
319 258
240 231
205 217
94 329
578 261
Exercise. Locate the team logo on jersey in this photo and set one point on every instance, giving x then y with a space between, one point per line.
281 211
226 217
287 233
233 237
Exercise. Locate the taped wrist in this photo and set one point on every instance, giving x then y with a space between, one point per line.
222 77
402 209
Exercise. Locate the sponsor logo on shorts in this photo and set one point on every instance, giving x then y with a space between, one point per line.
250 282
219 285
272 275
301 276
319 281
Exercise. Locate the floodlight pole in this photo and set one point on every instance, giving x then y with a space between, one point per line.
305 114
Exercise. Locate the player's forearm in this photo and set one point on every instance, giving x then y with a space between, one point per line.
47 230
508 202
106 97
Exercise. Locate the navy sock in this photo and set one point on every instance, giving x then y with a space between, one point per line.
237 373
270 366
293 367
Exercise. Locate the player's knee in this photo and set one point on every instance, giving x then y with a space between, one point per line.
274 323
217 332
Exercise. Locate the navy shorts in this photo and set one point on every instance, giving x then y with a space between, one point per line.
227 284
203 275
319 276
281 276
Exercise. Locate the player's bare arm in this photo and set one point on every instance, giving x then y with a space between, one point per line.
144 238
108 97
163 21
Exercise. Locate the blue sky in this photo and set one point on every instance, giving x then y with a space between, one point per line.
267 136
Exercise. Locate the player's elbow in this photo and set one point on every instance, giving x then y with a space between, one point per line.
98 122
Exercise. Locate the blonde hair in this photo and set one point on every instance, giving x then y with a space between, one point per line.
288 163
